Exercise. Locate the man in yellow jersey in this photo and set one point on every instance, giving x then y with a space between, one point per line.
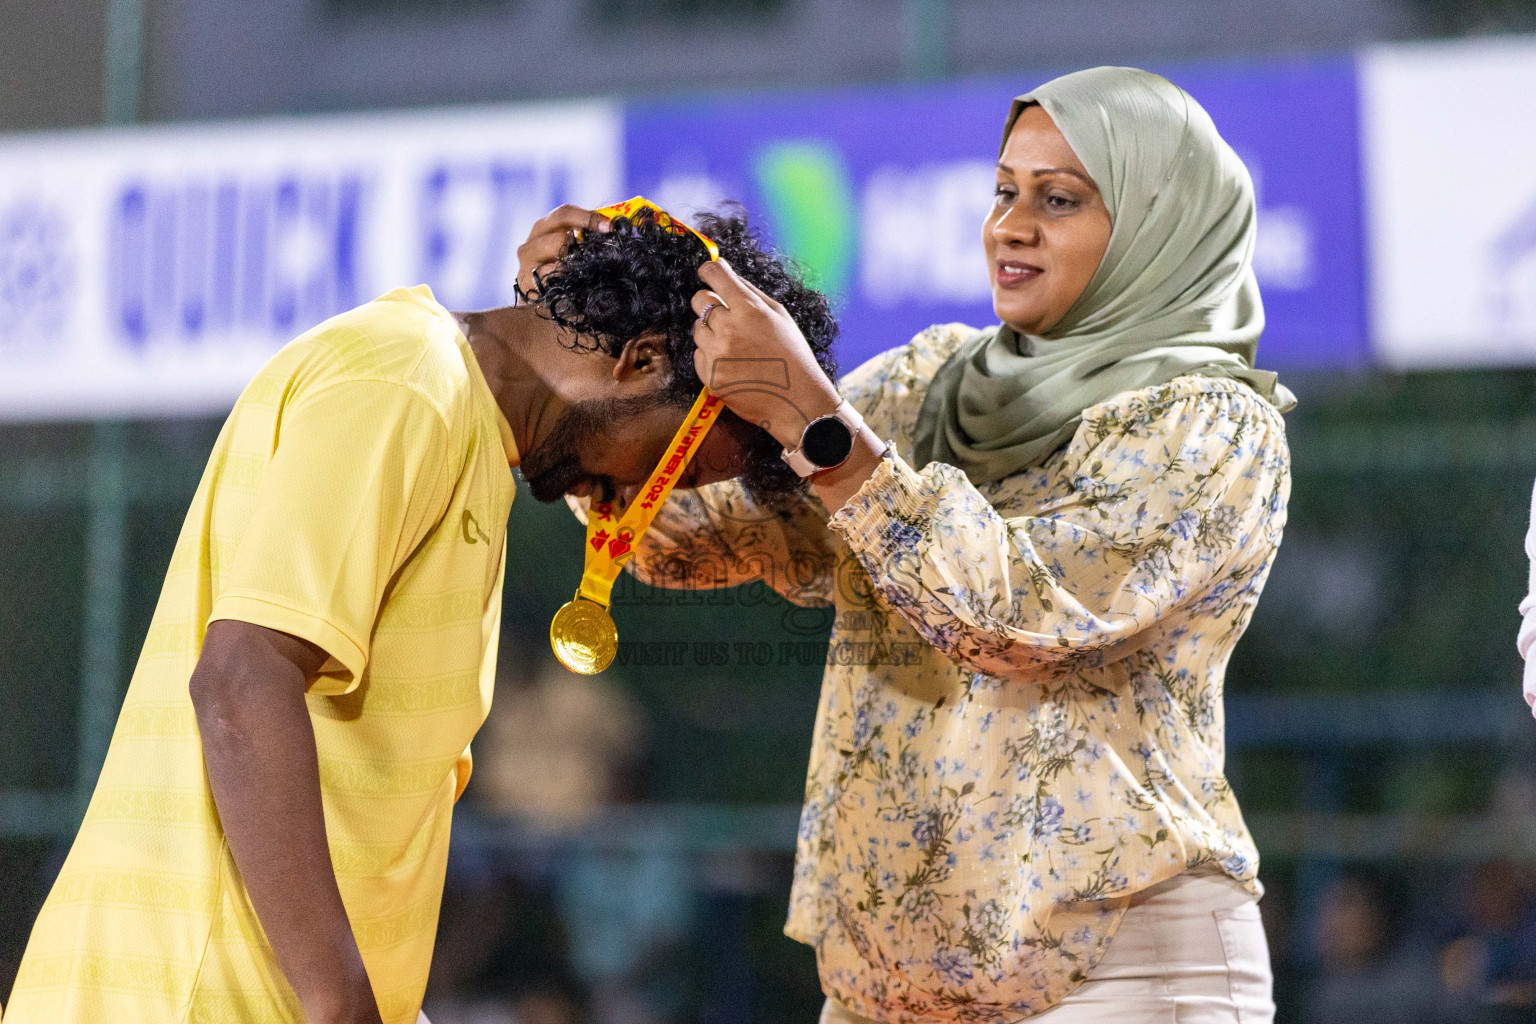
268 838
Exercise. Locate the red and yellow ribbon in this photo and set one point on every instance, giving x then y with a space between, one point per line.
612 537
630 207
582 633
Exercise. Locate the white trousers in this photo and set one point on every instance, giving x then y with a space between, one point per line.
1189 951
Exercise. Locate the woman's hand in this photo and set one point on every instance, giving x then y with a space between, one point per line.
547 240
751 353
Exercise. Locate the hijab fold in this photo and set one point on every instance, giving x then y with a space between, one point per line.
1174 294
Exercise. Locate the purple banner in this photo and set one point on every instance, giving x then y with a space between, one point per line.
881 193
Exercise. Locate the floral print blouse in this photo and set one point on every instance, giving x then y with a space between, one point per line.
1021 719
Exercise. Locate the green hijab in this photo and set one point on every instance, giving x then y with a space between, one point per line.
1175 293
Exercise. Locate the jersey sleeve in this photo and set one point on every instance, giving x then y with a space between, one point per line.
360 475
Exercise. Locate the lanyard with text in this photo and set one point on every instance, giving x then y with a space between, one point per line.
582 632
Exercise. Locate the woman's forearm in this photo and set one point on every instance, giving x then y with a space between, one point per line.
836 486
259 748
1132 544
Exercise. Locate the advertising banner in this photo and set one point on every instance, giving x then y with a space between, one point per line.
881 193
1450 157
152 271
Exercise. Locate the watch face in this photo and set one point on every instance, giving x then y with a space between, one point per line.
827 442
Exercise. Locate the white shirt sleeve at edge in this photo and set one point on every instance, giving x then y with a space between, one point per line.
1528 612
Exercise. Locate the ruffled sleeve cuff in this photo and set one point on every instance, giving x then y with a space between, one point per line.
886 515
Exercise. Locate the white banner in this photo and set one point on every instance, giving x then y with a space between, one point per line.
152 271
1449 138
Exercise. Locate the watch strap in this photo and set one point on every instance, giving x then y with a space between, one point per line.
803 466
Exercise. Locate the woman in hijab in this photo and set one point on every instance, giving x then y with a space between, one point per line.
1042 548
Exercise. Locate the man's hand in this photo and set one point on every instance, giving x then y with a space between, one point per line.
548 238
259 746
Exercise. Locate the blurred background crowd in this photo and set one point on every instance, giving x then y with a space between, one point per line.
623 853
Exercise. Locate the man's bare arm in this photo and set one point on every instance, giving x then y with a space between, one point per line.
259 746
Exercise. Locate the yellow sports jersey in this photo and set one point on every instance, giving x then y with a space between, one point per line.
357 497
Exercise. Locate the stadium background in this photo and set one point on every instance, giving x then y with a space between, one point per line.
623 853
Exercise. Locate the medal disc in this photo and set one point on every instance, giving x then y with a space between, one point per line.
584 636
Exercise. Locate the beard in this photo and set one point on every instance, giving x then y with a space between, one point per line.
554 467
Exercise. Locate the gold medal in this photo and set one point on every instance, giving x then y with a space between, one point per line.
582 632
584 636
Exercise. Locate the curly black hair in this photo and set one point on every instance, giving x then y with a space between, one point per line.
639 278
